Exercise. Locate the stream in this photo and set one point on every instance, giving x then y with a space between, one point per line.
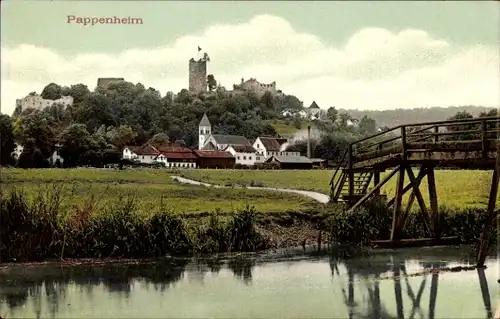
282 285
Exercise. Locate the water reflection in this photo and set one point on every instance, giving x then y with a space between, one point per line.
379 286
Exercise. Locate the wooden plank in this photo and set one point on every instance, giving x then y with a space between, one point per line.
431 181
417 242
491 214
420 199
371 192
395 232
376 180
420 176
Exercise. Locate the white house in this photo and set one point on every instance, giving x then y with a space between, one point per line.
271 146
244 154
144 154
175 156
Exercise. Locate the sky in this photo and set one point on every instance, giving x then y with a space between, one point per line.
351 55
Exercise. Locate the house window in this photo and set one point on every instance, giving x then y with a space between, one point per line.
143 157
244 157
258 145
250 157
238 157
257 158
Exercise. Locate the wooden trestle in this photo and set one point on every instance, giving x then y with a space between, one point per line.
458 144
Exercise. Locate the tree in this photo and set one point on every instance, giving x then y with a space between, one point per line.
75 140
39 127
332 114
7 144
211 82
79 92
52 92
160 139
121 136
32 157
462 127
367 126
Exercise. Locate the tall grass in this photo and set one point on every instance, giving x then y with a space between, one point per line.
374 221
39 228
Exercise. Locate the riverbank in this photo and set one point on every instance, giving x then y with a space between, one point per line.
36 230
46 214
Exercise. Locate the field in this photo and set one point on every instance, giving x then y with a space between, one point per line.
150 188
283 128
456 189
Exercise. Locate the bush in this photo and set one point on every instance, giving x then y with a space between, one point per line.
374 222
40 229
267 165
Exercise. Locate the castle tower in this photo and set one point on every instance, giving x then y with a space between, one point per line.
204 131
198 75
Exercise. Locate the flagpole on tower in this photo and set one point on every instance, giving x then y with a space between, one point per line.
198 53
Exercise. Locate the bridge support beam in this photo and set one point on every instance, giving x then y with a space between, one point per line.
431 184
396 229
399 217
491 214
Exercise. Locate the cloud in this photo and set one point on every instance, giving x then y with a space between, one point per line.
375 69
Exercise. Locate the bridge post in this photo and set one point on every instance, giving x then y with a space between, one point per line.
431 181
484 139
350 175
485 236
376 181
396 215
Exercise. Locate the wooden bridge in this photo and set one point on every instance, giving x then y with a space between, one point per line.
459 144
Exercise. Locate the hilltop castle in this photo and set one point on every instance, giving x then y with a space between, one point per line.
198 75
198 80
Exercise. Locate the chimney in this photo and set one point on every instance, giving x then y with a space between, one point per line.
309 141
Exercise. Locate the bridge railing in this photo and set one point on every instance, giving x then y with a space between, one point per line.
402 138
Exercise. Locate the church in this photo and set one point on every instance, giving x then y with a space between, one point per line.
239 146
244 152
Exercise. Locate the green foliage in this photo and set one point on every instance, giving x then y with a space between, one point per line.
127 113
40 229
52 92
373 221
211 82
7 144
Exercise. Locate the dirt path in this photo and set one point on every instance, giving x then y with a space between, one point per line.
322 198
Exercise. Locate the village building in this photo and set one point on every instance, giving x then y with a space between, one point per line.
176 156
291 162
244 154
238 146
214 159
269 146
145 154
314 112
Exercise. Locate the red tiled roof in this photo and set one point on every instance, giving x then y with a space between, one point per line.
173 149
172 155
143 150
213 154
272 144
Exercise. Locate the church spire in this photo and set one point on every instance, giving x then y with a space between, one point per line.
204 120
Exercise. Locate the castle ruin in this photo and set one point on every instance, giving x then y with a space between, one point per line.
105 82
198 75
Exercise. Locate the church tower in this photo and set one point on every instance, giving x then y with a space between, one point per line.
204 131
